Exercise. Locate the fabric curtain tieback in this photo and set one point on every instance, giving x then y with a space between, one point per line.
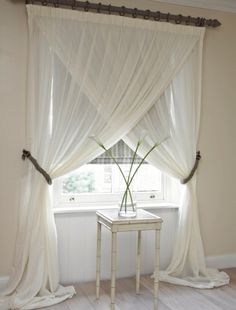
27 154
186 180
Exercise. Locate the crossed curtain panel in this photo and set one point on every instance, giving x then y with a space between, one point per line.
176 115
93 73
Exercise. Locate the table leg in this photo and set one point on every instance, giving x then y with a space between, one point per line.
98 271
138 261
113 269
157 264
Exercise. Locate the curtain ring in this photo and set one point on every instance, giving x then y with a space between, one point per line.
157 16
188 21
44 2
73 6
122 13
134 14
147 14
86 8
168 17
198 21
109 9
99 7
203 22
56 3
178 19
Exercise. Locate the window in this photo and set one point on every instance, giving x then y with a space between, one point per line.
100 182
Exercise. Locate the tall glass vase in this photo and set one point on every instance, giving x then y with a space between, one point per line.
127 207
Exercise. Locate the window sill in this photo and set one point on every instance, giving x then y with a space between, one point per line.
93 209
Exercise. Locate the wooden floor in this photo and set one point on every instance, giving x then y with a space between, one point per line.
171 297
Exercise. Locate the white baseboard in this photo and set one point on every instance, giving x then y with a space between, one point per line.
221 261
3 282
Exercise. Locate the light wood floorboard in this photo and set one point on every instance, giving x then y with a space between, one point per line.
171 297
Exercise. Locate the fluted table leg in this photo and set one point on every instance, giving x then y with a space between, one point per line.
98 269
113 269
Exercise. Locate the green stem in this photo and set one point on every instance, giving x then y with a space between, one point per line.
143 159
130 179
130 170
126 182
125 196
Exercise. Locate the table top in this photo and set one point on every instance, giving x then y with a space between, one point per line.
142 217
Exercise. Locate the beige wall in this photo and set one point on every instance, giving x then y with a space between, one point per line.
13 59
217 205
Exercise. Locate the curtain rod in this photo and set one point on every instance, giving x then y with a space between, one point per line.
146 14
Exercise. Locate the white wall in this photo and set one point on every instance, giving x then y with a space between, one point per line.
216 185
77 247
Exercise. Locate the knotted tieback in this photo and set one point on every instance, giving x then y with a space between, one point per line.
26 154
198 157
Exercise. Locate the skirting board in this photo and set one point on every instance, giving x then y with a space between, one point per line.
3 282
220 261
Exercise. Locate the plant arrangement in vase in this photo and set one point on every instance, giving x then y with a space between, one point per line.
128 206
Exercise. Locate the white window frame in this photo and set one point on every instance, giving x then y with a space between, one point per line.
103 200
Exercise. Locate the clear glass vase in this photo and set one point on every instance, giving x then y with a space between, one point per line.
128 210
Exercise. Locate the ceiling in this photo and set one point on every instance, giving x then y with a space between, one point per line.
219 5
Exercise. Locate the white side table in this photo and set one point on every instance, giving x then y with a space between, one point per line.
143 221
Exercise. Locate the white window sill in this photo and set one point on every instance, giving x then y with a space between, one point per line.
91 208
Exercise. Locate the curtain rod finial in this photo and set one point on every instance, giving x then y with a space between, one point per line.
216 23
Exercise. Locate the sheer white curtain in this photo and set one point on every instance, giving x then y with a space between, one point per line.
88 74
176 115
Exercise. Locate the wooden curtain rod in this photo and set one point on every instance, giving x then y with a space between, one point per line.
146 14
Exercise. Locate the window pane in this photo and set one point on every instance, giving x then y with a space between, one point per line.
87 179
148 178
78 182
103 178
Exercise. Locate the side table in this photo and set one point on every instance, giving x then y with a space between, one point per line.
143 221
